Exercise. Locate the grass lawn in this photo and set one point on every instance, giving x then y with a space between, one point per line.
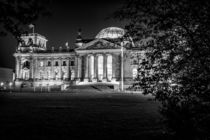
75 116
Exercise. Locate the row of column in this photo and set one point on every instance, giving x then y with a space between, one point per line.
98 67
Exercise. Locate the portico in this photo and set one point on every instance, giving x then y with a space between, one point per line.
96 67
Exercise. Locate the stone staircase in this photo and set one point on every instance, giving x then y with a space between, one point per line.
91 88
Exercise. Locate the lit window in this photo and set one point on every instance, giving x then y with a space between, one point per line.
72 75
41 64
135 72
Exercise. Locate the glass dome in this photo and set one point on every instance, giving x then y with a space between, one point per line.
111 33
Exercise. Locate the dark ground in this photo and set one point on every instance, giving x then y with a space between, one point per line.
78 116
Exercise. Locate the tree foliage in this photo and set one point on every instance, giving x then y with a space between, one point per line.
175 36
15 15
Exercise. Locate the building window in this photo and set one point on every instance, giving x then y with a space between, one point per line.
41 64
72 63
135 73
48 74
64 75
30 41
49 63
56 63
72 74
26 64
41 75
56 75
64 63
25 74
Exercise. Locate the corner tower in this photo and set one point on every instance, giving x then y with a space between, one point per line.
32 42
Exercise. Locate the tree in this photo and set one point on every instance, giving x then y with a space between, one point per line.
175 36
15 15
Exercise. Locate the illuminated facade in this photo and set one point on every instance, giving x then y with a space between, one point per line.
91 61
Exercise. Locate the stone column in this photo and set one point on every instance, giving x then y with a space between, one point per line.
91 68
114 64
20 69
95 68
105 68
79 68
68 69
32 68
52 68
60 69
35 68
44 67
86 69
17 68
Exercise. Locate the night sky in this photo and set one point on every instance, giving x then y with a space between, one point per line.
62 26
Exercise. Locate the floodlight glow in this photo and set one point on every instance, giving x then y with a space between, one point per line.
10 84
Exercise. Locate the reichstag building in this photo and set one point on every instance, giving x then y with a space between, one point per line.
106 59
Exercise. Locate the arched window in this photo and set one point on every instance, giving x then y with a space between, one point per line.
109 67
26 64
100 67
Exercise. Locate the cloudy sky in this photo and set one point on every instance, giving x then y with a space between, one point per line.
67 17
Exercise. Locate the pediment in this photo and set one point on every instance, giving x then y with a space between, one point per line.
99 44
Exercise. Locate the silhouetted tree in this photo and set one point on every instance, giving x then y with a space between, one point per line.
176 42
15 15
